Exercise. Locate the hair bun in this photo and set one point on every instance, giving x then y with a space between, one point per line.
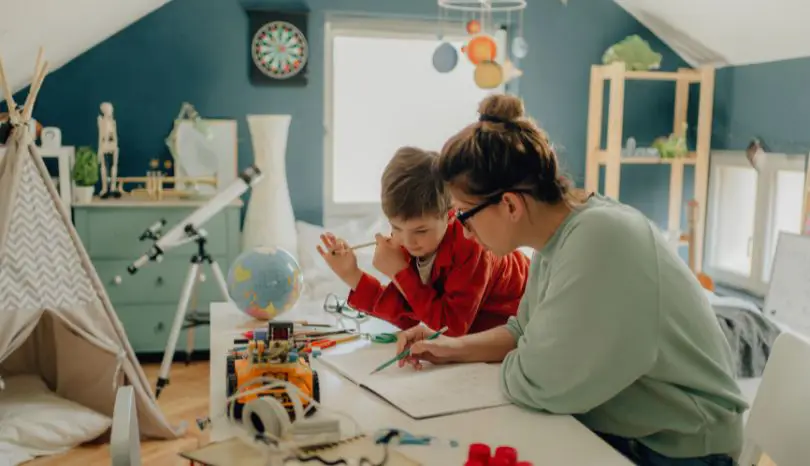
502 106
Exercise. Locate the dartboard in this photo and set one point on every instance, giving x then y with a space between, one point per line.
279 50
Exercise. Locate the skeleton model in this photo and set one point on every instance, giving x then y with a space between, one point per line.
108 145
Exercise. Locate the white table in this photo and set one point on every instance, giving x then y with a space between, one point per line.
540 438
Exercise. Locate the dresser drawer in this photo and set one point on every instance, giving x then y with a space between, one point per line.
157 283
148 329
113 233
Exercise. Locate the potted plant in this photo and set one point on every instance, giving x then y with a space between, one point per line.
85 174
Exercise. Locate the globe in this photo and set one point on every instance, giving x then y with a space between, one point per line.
265 282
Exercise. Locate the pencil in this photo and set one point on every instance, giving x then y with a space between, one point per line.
359 246
407 352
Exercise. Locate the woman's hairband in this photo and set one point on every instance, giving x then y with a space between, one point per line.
494 119
491 118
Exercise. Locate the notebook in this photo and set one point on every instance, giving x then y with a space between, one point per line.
234 452
435 390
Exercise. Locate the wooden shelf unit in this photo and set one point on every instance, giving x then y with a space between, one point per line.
611 156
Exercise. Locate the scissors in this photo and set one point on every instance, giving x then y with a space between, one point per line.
334 305
383 337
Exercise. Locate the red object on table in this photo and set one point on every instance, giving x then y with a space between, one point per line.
499 461
474 463
479 452
508 454
322 344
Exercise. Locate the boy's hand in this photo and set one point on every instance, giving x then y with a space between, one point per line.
341 259
389 258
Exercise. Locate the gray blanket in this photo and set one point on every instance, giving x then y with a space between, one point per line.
750 333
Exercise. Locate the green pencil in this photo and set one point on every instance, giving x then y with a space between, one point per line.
407 352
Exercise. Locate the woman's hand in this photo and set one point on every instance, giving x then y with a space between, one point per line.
442 350
341 259
389 258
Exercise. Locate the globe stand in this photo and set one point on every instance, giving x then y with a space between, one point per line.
197 260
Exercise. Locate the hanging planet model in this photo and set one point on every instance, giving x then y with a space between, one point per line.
279 50
445 58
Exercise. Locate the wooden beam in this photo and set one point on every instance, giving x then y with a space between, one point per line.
613 166
806 200
679 121
682 75
12 106
704 141
594 135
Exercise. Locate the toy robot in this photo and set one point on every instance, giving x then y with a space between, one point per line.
271 353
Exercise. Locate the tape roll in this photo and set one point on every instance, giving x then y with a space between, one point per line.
265 415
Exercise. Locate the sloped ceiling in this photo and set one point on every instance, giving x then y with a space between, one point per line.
715 32
64 28
727 32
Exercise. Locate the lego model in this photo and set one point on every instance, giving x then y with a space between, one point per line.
271 353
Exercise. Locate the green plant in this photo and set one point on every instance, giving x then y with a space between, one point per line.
85 169
634 52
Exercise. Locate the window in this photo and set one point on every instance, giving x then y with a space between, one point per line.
747 210
382 93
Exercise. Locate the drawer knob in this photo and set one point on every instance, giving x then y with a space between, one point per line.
117 280
159 327
159 281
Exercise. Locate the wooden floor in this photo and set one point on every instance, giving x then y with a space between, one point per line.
185 399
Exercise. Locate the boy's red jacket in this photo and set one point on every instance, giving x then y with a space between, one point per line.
470 289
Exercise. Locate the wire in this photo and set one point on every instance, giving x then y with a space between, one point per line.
282 445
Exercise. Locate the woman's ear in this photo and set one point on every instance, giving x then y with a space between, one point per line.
513 205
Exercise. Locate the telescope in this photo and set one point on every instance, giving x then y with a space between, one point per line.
188 230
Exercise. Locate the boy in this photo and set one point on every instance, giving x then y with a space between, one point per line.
438 275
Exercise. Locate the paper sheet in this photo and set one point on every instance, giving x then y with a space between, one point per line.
432 391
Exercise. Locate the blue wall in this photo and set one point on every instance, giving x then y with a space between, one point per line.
194 50
769 101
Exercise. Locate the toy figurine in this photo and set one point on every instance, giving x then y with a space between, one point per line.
108 144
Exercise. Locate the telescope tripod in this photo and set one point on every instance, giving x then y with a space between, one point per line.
192 278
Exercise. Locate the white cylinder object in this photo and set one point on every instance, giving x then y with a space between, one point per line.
269 220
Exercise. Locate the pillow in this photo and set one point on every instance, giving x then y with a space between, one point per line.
34 421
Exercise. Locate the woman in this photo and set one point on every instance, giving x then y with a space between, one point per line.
613 327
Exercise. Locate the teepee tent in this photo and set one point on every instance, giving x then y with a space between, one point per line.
56 320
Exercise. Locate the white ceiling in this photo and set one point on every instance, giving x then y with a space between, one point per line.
727 32
64 28
718 32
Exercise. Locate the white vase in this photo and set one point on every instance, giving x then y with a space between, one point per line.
83 194
269 220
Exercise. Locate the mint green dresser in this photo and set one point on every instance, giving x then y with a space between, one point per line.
146 302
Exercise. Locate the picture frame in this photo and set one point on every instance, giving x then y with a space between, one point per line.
201 155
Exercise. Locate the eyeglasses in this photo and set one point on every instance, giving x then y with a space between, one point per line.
463 216
334 305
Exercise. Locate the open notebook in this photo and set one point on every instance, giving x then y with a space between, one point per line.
433 391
